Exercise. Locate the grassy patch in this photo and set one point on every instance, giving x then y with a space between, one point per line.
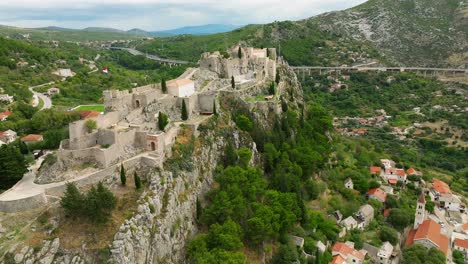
99 108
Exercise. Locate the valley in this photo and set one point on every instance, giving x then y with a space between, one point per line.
340 138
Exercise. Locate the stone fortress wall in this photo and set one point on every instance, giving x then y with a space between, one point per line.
129 126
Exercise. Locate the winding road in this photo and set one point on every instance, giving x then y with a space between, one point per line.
47 101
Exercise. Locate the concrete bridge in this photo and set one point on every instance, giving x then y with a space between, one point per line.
169 62
419 70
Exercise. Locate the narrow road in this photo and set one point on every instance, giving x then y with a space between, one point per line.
47 101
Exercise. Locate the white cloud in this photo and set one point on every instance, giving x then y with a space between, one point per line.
159 14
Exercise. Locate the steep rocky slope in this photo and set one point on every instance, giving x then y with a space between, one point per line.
408 32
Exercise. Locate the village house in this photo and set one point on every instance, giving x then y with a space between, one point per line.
385 253
462 246
8 136
64 73
375 170
412 171
53 91
32 138
348 224
377 194
6 98
347 252
429 235
387 189
393 175
4 115
387 163
451 203
181 88
365 214
348 183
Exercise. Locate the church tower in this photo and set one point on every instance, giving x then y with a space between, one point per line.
420 211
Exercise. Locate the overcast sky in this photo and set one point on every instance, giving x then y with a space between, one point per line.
159 14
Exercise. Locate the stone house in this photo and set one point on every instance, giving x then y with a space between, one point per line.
349 183
6 98
365 215
385 253
53 91
388 163
349 223
8 136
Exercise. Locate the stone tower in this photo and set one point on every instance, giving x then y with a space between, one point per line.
420 211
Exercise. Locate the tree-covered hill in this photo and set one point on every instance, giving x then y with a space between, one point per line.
300 43
409 32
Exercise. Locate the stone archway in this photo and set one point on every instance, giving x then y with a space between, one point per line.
137 103
153 146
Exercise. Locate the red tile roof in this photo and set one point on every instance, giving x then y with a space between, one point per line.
429 230
440 186
32 138
379 193
5 114
394 171
392 181
338 260
179 83
85 114
375 169
465 226
346 250
461 243
386 212
410 171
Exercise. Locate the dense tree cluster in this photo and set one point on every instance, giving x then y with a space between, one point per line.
97 204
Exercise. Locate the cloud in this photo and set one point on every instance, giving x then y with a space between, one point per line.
159 14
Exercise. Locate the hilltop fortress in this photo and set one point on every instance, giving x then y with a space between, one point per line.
130 125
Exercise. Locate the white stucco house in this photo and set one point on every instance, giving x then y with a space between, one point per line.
181 88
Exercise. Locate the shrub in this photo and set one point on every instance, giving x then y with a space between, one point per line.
184 111
163 120
244 123
90 125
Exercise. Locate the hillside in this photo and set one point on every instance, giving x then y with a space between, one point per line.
410 32
299 43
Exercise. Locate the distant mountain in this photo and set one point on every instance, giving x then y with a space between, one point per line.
197 30
408 32
53 28
103 29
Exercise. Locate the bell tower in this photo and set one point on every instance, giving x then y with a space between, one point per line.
420 211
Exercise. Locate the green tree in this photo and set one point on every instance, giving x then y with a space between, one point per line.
90 125
388 234
227 236
162 121
184 111
429 205
123 176
458 257
137 180
12 165
418 254
245 155
244 123
287 253
399 218
233 83
163 85
271 88
230 155
99 203
72 201
239 52
214 108
277 78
